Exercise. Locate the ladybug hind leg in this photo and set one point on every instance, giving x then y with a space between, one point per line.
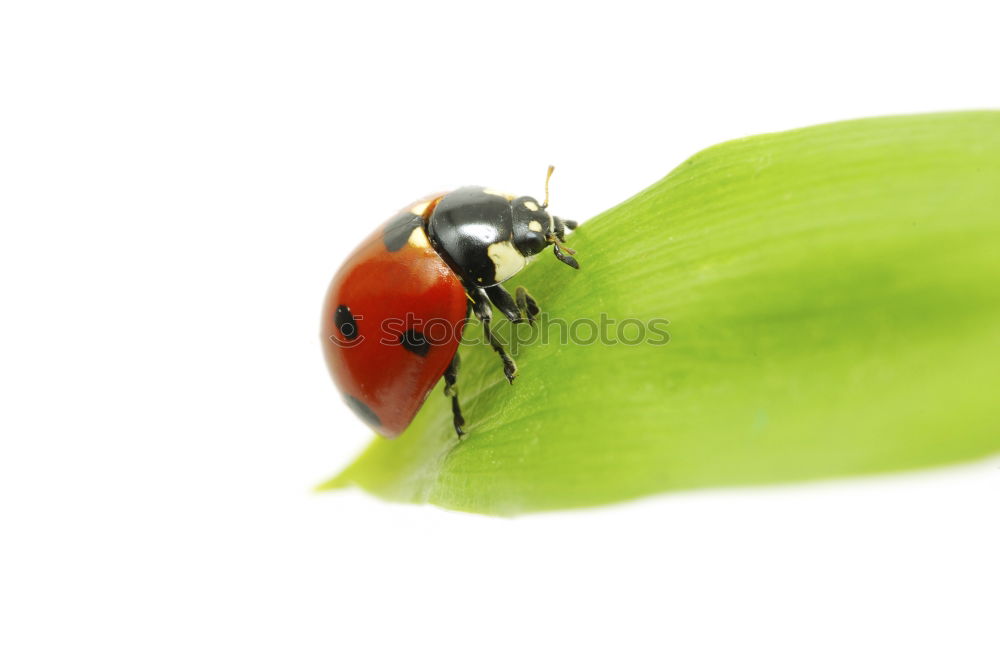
451 390
484 312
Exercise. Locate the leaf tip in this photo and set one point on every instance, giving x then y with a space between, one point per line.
338 482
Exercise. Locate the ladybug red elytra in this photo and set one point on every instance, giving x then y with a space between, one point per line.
394 313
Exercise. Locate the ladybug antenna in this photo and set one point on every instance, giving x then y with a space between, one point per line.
548 175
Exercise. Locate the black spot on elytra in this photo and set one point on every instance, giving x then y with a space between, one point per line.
363 411
344 320
399 229
415 342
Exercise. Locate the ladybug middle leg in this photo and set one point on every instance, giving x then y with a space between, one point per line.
481 306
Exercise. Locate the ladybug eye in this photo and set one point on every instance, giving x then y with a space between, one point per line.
529 237
344 320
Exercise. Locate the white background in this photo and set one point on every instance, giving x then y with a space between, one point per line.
178 182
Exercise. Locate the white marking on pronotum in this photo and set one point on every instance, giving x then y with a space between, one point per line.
490 191
507 260
531 206
536 226
418 239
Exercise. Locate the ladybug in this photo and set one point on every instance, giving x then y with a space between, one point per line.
395 311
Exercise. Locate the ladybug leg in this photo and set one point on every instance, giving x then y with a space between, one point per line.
451 390
557 237
481 306
566 223
526 304
502 300
557 248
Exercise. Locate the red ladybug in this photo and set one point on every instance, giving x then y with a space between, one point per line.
394 313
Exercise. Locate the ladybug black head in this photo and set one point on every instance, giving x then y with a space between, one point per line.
535 228
532 226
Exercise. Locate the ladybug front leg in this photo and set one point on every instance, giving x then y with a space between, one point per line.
481 305
451 390
502 300
518 309
561 251
526 304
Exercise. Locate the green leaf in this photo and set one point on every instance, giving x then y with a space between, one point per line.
833 298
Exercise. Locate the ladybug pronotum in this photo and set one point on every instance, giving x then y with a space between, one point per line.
394 313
